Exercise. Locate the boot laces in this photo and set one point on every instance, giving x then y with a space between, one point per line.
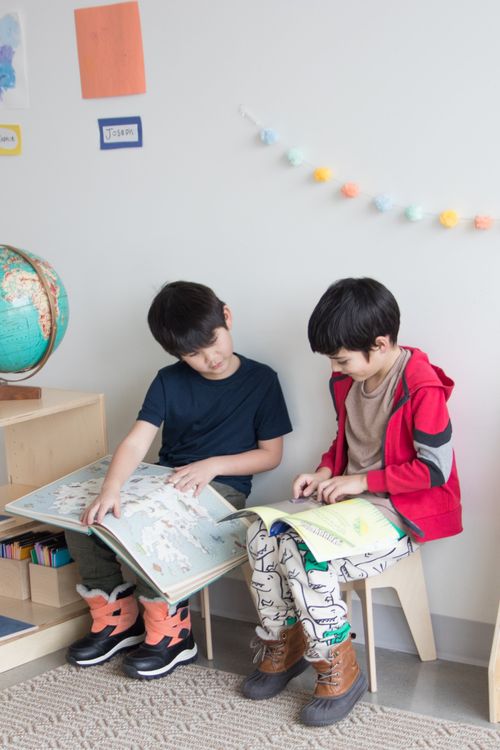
327 678
263 649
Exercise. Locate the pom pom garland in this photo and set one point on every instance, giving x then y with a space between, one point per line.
322 174
269 136
295 156
449 218
350 189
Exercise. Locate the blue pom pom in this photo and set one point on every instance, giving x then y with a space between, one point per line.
268 136
295 156
383 203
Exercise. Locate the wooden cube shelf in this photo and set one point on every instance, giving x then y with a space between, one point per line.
54 587
14 578
46 439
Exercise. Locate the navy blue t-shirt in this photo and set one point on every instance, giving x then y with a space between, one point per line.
203 418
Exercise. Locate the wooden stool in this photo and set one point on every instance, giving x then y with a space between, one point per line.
494 673
205 609
407 578
205 613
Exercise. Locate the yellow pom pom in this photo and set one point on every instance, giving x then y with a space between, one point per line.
322 174
448 219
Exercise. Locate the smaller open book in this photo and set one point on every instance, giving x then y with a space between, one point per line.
169 538
343 529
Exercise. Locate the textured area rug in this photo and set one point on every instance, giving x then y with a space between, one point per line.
201 709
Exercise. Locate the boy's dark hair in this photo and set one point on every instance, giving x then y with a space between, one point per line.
351 314
183 317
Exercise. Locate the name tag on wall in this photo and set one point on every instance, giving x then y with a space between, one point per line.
10 140
120 132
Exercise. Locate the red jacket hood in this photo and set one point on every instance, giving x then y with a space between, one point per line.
420 372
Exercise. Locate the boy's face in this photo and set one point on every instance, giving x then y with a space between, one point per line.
216 361
358 367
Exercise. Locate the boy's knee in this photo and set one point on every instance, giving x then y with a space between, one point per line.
255 531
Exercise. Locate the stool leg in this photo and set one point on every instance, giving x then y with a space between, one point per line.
208 623
347 597
365 596
416 610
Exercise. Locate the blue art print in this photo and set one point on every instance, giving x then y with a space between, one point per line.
13 81
10 39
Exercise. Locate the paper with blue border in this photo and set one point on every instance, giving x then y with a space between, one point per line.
120 132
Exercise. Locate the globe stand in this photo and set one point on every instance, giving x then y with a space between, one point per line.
18 392
8 391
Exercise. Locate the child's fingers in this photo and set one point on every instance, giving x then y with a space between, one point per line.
326 491
177 473
89 515
300 485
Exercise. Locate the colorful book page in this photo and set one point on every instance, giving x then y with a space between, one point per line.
110 50
10 627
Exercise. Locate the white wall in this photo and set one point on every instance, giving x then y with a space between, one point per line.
398 96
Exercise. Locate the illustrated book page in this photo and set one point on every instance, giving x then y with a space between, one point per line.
168 537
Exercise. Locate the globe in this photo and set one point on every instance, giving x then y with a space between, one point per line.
33 310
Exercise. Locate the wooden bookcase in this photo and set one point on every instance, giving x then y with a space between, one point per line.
44 440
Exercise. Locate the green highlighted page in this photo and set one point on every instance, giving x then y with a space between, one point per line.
343 529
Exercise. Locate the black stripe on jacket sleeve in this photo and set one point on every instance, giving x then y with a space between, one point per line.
436 475
434 440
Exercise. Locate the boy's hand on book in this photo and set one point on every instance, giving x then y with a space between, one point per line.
336 488
108 500
306 485
194 476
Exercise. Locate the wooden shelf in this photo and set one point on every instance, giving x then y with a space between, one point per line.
10 492
53 401
57 628
46 439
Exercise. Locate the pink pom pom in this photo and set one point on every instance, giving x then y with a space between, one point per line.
483 222
350 190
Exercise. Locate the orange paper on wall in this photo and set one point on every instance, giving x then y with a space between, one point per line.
110 50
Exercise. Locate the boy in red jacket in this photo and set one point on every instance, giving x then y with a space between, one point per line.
393 447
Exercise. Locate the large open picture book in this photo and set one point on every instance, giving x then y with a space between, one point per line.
169 538
346 528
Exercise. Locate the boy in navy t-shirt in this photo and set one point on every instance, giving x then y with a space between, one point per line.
224 417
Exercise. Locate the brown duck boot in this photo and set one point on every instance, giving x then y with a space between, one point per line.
339 686
280 660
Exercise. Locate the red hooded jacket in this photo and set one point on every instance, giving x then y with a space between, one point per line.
418 466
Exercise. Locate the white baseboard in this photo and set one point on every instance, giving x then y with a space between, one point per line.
457 640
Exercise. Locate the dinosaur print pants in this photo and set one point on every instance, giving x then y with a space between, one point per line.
288 584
